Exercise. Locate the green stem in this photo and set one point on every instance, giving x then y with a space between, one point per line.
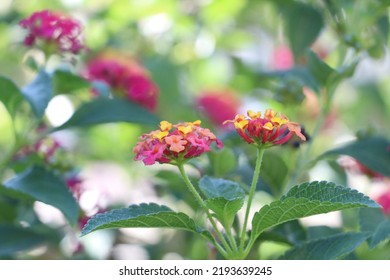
249 246
231 238
224 251
260 153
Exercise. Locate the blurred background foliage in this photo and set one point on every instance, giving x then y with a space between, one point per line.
325 64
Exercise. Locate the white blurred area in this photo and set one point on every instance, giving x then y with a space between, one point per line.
5 6
59 110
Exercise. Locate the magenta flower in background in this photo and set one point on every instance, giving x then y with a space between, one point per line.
384 201
126 78
74 184
354 166
53 28
218 106
45 149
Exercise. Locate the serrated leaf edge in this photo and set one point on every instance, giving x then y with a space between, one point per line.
164 209
302 187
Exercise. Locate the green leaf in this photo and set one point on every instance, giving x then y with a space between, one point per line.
223 161
225 210
215 187
274 172
375 222
306 200
319 69
340 74
8 211
10 95
13 194
291 232
39 92
372 152
67 82
143 216
317 232
225 198
43 185
370 219
382 233
15 239
103 110
287 85
303 24
330 248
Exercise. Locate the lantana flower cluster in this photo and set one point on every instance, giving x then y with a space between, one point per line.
53 28
175 144
53 155
266 131
126 78
45 148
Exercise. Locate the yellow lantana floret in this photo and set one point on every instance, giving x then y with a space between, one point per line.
253 115
185 129
269 114
241 124
268 126
279 121
196 123
160 134
165 126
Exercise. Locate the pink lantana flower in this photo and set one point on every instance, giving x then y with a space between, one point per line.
53 28
174 144
126 78
269 130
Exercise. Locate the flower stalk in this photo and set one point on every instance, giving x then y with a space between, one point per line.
256 174
224 251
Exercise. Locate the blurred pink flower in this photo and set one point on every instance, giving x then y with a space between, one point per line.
367 171
53 28
283 58
126 77
74 184
384 201
218 105
354 166
45 149
174 144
